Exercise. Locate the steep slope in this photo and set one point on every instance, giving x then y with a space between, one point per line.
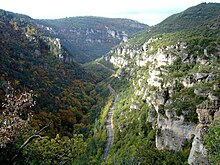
66 95
88 38
168 90
190 18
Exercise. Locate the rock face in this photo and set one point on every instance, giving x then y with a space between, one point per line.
88 38
206 111
181 106
173 133
198 153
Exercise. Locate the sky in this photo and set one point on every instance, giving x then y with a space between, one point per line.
150 12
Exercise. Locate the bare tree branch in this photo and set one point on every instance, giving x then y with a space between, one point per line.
36 135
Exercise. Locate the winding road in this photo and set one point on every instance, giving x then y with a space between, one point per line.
109 123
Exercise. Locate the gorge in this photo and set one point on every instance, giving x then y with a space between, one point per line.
111 91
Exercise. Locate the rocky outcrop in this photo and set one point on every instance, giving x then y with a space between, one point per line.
198 154
88 38
172 130
173 134
207 111
153 82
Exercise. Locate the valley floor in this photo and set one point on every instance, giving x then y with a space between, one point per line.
109 123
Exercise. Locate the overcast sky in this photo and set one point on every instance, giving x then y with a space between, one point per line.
150 12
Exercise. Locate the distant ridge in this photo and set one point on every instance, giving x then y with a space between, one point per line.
90 37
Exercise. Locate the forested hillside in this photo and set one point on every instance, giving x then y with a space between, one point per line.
42 85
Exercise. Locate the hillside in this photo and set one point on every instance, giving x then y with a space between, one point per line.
190 18
58 93
167 81
88 38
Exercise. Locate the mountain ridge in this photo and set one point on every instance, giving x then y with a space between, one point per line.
94 35
191 17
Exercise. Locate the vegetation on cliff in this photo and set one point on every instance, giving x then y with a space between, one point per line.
166 78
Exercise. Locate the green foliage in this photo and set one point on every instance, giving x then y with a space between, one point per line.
101 72
199 43
184 103
161 110
59 150
190 18
97 142
212 142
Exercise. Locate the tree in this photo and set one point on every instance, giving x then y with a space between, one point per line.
15 113
58 150
212 142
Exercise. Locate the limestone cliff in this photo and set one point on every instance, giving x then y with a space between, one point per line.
179 88
88 38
